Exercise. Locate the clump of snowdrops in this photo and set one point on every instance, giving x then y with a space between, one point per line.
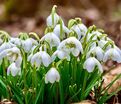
62 67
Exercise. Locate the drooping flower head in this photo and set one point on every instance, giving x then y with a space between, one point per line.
13 55
61 55
71 45
39 58
52 39
53 18
80 30
114 54
15 41
96 52
13 70
6 45
91 63
28 44
58 29
52 76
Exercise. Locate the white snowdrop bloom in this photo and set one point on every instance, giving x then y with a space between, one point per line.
28 44
57 29
6 45
119 50
114 54
102 43
51 38
41 57
80 30
71 45
61 55
15 41
13 54
96 51
50 19
52 76
93 34
13 70
91 63
31 53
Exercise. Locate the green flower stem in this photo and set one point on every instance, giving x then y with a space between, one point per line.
3 67
34 82
75 68
61 92
84 86
61 30
24 69
53 12
35 35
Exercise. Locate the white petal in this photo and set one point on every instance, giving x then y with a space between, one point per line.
15 41
3 54
77 30
75 52
46 59
18 61
61 54
52 75
113 54
89 64
49 20
57 30
36 59
5 46
96 51
28 44
13 70
69 41
52 39
116 56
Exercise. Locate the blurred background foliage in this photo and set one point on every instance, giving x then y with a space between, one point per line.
30 15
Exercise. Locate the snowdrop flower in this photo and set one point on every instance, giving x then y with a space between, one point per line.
102 43
6 45
95 35
91 63
57 30
13 54
52 39
71 45
15 41
52 76
28 44
114 54
14 70
61 55
52 21
119 50
41 58
31 53
80 30
96 51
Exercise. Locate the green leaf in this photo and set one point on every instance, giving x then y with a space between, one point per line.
3 89
40 93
